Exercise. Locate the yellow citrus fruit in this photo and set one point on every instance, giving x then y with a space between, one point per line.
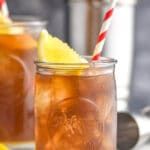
3 147
53 50
6 26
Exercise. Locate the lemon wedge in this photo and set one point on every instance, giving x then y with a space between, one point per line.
3 147
53 50
4 19
4 24
7 28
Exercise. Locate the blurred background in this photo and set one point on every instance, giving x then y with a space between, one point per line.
128 40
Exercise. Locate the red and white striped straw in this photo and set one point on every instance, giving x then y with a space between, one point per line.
4 8
103 32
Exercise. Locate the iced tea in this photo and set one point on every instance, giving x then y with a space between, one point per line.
75 107
17 70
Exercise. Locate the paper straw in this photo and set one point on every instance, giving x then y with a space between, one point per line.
4 8
103 32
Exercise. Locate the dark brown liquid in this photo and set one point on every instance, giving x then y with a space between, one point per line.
75 113
17 70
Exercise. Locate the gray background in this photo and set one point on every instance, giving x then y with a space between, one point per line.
53 11
140 89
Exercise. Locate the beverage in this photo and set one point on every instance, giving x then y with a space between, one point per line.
16 90
75 103
75 112
17 55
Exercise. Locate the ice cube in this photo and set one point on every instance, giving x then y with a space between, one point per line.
64 87
99 89
93 86
43 94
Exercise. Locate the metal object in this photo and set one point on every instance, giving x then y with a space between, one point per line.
132 130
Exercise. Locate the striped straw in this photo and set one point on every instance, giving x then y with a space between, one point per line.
4 8
103 32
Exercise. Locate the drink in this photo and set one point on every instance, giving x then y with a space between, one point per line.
17 54
16 91
75 106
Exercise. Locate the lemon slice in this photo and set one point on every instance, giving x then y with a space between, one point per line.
3 147
4 19
53 50
6 26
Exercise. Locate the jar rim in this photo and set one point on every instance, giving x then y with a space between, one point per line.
101 63
24 20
